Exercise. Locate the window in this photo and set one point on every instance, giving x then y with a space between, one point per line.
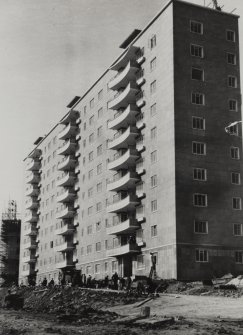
89 249
235 153
98 246
153 87
90 192
231 58
197 51
200 174
233 105
233 130
91 120
91 104
239 257
99 131
90 210
89 230
200 227
154 231
201 255
198 148
196 27
198 123
91 156
98 226
198 99
100 113
140 261
232 81
153 133
230 35
153 110
99 150
99 187
237 229
153 64
99 168
197 74
106 266
97 268
152 42
153 205
98 207
100 95
88 270
153 180
236 203
91 138
84 125
85 110
90 174
153 156
235 178
200 200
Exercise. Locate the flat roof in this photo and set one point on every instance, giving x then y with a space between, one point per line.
130 38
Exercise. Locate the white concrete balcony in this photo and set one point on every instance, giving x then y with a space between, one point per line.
140 214
66 213
140 144
29 259
68 148
140 168
30 245
124 139
123 227
66 246
140 238
36 153
31 217
72 115
123 118
68 131
140 58
140 80
124 76
33 178
121 204
123 250
123 182
140 100
67 196
124 160
67 179
129 54
32 203
31 231
66 229
32 190
67 164
65 264
140 124
125 97
140 192
34 165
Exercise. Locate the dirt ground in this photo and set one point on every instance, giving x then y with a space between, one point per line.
201 315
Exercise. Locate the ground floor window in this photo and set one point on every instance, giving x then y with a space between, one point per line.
201 255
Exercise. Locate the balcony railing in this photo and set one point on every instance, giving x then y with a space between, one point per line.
68 131
66 229
66 246
67 179
129 54
123 138
124 97
140 169
123 160
123 227
124 75
123 250
67 212
67 196
67 163
122 180
122 202
67 148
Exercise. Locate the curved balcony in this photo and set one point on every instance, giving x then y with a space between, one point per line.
32 204
29 259
32 191
140 214
31 231
123 119
32 217
66 213
124 227
130 54
140 124
72 115
140 57
65 264
140 80
33 178
122 99
68 131
67 196
126 204
35 153
68 179
67 164
68 148
67 229
30 245
140 192
124 160
140 169
34 165
123 77
125 139
140 144
124 182
66 246
140 100
123 250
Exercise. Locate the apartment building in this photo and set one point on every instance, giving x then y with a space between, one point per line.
141 164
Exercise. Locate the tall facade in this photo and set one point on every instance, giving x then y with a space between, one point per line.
141 164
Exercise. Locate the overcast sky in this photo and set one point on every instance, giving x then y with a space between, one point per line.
52 50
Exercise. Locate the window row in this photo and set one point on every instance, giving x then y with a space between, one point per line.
199 148
201 200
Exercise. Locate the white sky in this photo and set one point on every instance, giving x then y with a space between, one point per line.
52 50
